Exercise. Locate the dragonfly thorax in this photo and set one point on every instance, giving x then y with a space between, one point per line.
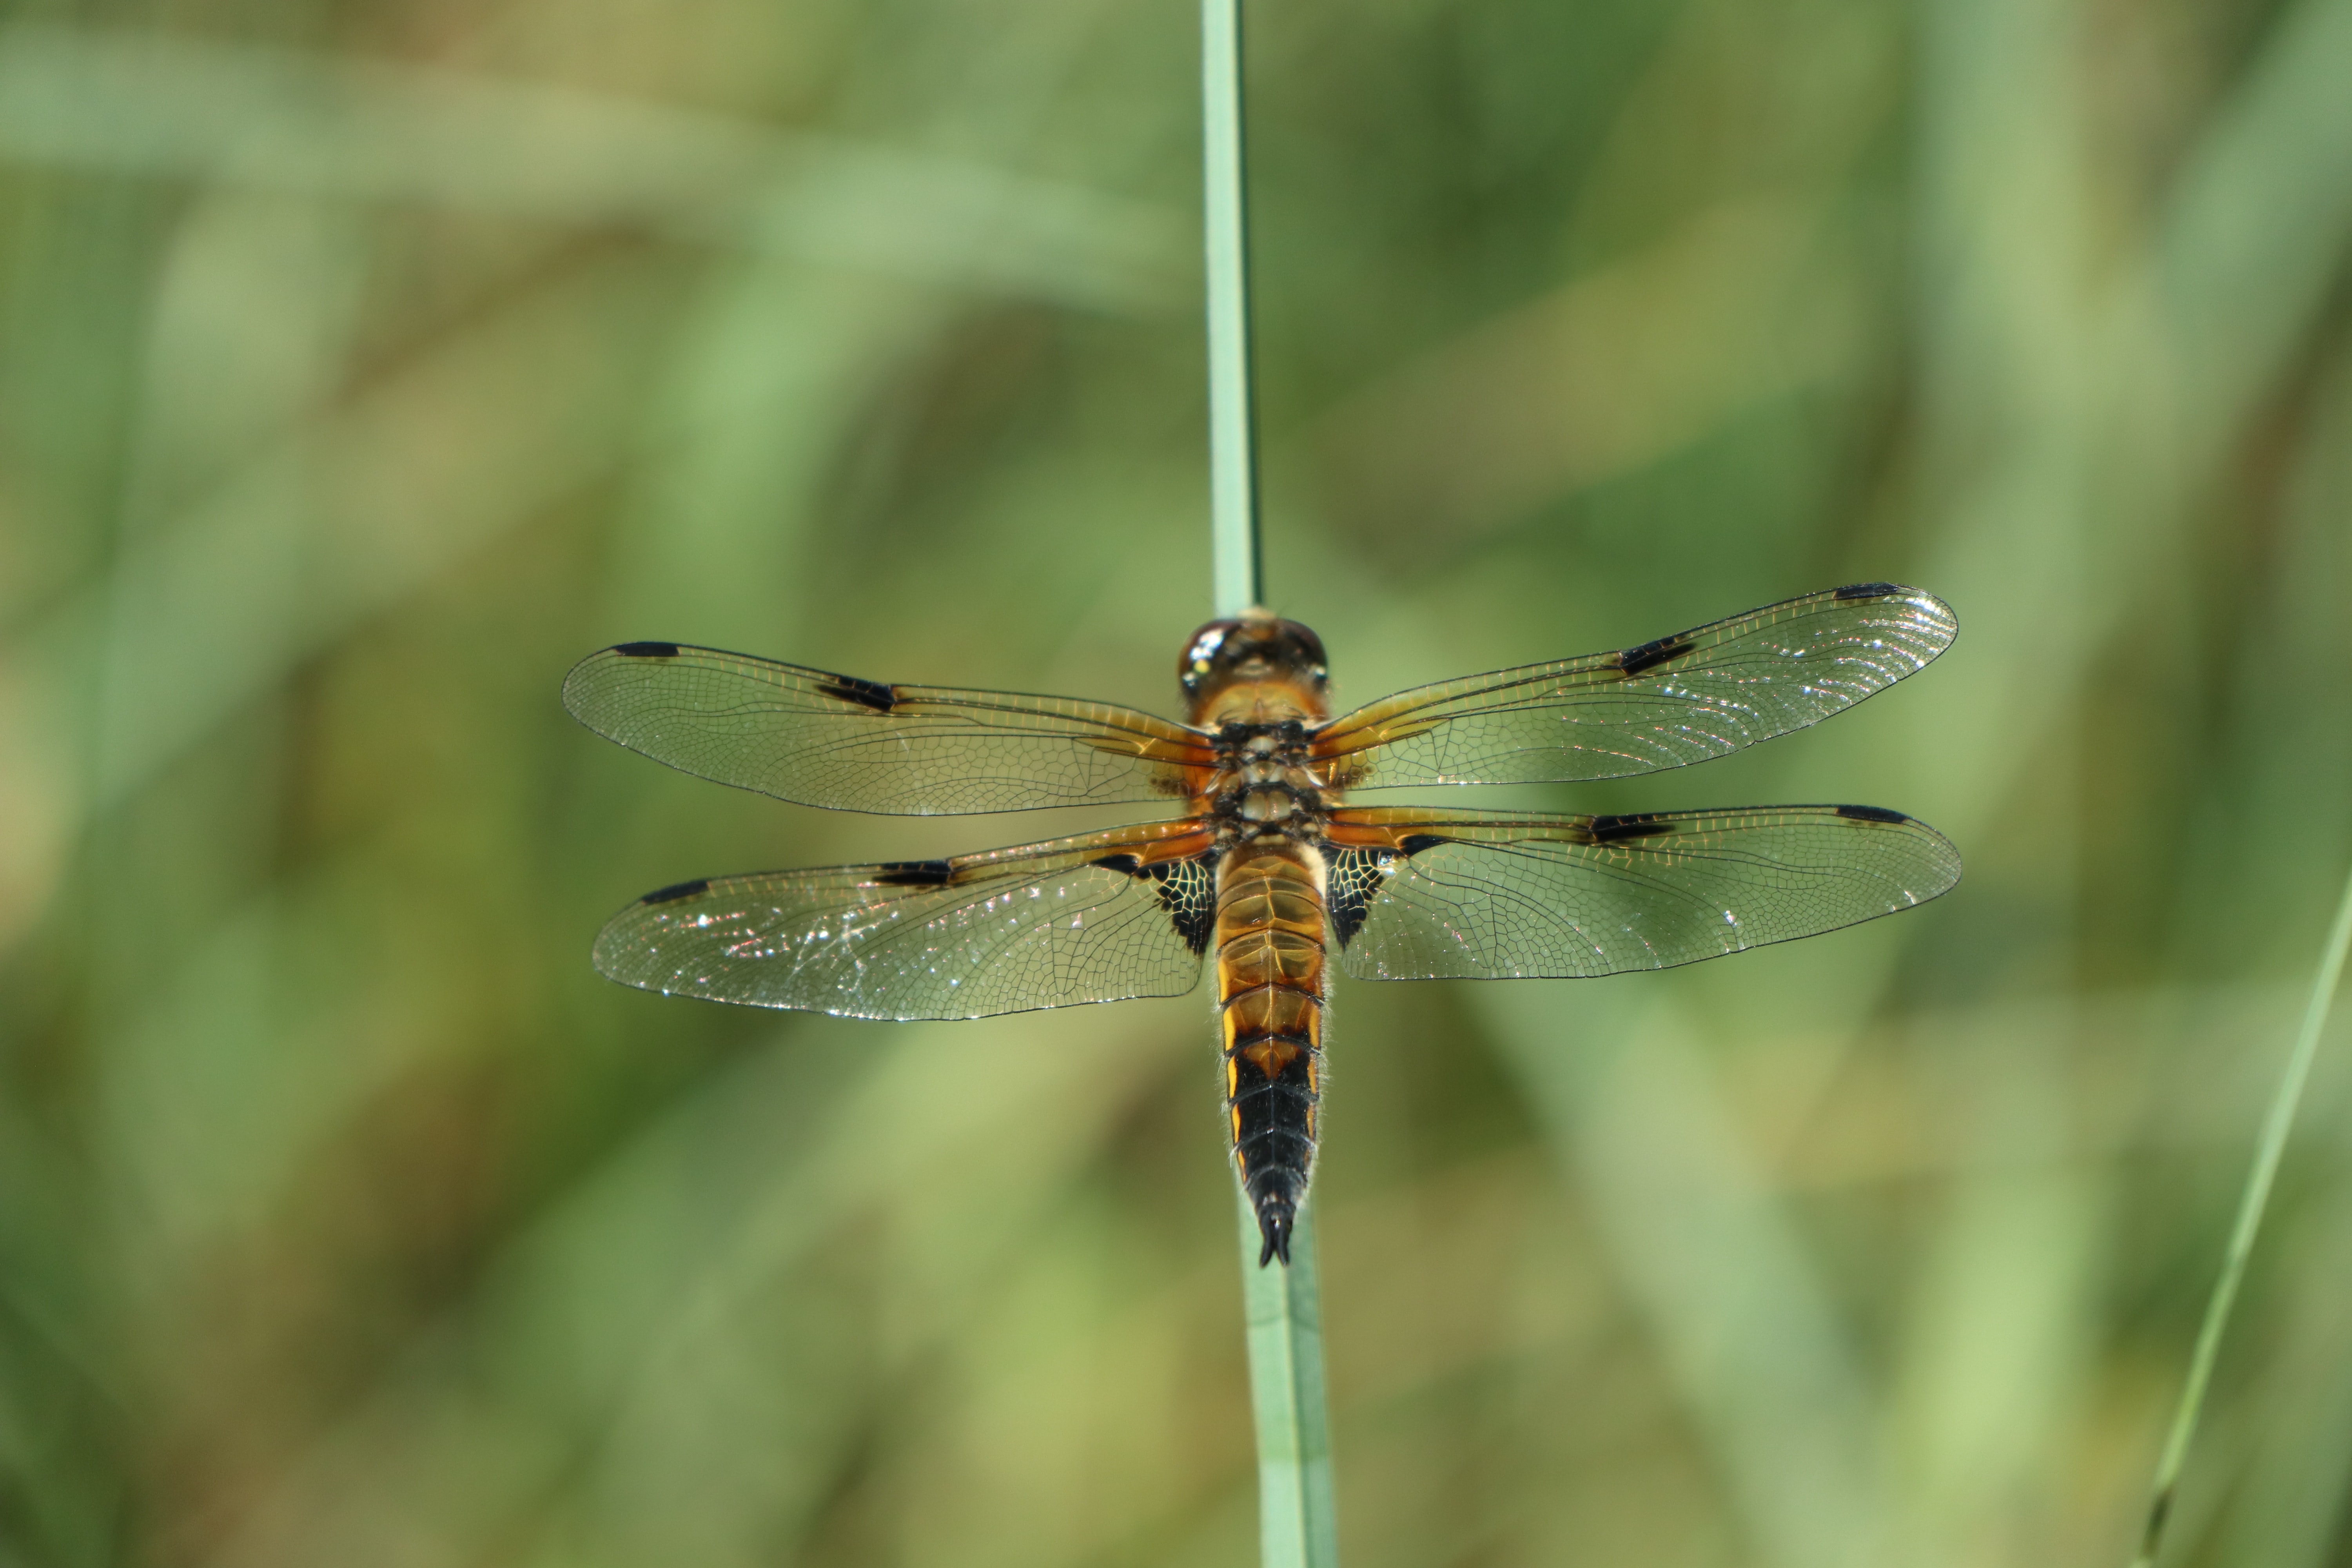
1262 778
1271 804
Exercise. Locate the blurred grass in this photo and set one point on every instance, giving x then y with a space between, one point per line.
2262 1176
362 366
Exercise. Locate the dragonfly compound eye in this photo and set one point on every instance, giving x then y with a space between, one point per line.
1204 654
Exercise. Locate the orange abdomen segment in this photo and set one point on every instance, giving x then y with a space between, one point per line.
1270 980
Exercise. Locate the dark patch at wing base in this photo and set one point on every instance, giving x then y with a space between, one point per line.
1414 844
1188 893
1351 878
1185 892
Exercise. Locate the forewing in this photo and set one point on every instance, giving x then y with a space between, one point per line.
1683 699
1425 896
836 741
1094 919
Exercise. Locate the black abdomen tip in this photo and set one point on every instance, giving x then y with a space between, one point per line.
1277 1213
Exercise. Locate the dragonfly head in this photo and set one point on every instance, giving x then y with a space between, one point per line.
1256 648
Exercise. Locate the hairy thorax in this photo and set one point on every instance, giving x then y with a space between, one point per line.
1263 787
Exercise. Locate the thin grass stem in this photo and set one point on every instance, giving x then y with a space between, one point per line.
1281 1304
1232 456
2251 1205
1297 1525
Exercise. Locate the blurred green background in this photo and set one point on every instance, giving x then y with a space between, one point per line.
362 366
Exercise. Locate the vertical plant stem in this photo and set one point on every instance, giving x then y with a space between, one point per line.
1281 1304
1284 1312
1233 455
2267 1152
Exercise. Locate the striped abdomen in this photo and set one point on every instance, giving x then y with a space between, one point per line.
1269 937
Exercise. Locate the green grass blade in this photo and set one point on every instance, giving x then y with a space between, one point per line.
1283 1304
2267 1152
1232 462
1297 1524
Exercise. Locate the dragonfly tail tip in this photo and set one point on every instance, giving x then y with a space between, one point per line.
1275 1212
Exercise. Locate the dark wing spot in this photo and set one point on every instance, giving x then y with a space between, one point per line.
914 874
1869 591
1616 829
671 894
1650 655
648 650
1415 843
1125 865
1871 814
871 694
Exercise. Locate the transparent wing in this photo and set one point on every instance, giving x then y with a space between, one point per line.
1098 918
1424 896
1683 699
836 741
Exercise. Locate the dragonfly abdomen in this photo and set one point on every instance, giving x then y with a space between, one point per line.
1270 990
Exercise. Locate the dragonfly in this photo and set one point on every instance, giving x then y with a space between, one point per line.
1263 872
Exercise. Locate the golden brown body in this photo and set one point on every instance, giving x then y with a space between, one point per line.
1270 997
1258 684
